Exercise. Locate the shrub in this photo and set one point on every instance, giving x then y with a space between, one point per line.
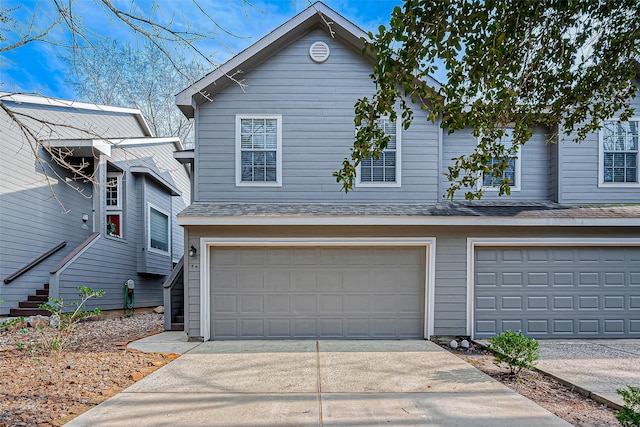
66 322
629 415
514 350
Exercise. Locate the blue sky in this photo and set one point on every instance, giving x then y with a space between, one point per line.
35 68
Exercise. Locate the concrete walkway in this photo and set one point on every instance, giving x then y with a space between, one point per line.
309 383
595 367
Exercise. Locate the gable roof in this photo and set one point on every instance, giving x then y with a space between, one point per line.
316 16
58 119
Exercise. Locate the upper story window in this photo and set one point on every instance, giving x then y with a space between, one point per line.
259 150
113 195
114 190
512 173
159 236
385 170
619 152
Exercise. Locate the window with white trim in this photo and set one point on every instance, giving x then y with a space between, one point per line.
159 236
385 170
113 201
259 150
512 173
620 154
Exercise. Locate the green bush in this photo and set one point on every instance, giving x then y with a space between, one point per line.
514 350
629 415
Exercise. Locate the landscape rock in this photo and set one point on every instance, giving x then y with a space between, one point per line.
453 344
159 309
38 321
464 344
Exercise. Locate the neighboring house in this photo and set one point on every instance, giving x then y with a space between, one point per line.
102 233
281 252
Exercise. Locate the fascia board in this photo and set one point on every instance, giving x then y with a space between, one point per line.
407 221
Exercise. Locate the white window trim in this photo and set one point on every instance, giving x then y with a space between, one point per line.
239 182
518 175
601 182
117 175
163 212
398 181
118 209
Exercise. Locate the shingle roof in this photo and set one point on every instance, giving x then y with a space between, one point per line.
510 209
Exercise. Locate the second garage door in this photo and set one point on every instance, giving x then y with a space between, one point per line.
561 292
317 292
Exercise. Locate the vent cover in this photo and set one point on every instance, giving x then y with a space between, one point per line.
319 51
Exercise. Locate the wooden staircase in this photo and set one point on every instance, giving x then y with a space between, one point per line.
177 324
30 306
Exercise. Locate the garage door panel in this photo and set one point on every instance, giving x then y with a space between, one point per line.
591 292
276 280
324 292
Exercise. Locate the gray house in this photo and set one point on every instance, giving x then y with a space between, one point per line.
59 230
278 251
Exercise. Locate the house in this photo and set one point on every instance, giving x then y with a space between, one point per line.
60 228
278 251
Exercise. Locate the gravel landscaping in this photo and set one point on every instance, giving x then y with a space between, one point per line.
39 389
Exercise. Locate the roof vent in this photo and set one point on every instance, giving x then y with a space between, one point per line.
319 52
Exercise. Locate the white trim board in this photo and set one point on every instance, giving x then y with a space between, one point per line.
473 242
206 243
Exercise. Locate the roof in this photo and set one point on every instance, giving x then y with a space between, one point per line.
57 119
318 15
445 213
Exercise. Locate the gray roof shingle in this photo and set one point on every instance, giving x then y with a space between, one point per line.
510 209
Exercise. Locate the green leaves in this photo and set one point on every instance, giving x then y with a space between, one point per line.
629 415
514 350
560 65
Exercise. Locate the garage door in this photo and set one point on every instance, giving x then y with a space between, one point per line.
561 292
325 292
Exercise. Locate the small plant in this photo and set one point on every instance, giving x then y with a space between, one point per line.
9 323
25 333
514 350
66 322
629 415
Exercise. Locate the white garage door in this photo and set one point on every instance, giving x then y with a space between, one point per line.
317 292
561 292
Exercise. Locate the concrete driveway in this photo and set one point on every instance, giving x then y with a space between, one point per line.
596 367
310 383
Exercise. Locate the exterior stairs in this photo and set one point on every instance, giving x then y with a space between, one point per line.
30 306
177 324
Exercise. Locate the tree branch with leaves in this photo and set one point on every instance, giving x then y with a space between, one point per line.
564 64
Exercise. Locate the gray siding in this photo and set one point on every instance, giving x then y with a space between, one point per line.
316 103
114 270
553 169
33 222
535 164
450 293
58 122
579 166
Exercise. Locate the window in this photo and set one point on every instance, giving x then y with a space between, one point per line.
619 152
158 230
512 173
258 150
113 196
384 171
